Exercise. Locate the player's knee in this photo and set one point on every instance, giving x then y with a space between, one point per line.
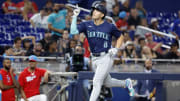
97 83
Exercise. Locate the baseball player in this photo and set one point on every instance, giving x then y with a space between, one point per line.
30 79
99 34
8 81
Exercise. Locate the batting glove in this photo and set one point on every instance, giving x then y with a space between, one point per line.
76 11
113 51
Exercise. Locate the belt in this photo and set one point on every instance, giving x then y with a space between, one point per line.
99 54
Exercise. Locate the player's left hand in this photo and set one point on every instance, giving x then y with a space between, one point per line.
113 51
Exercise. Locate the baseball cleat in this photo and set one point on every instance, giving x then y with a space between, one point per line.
129 85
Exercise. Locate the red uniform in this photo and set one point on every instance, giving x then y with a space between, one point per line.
86 47
7 95
10 6
30 82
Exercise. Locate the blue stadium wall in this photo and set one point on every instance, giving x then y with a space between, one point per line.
150 5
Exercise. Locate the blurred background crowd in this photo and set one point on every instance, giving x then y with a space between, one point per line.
27 30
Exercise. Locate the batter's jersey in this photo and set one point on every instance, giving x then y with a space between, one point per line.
30 82
7 95
99 36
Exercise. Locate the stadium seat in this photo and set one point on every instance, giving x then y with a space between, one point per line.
1 16
40 30
13 23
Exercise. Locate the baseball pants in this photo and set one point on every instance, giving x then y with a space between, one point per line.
102 65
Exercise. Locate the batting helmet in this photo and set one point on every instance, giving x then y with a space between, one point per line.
100 8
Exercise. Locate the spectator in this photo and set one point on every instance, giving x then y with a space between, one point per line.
152 49
110 4
57 21
9 52
30 79
144 52
136 38
175 27
9 7
27 8
71 46
148 53
156 47
49 4
141 11
146 89
129 51
115 12
122 24
139 48
64 41
40 19
76 37
27 46
52 49
126 38
87 17
47 38
144 22
17 49
8 81
125 5
38 50
173 53
119 57
154 24
27 43
134 19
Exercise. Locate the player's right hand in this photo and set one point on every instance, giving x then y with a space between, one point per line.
113 51
76 11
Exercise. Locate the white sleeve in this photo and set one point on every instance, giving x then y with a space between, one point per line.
34 18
